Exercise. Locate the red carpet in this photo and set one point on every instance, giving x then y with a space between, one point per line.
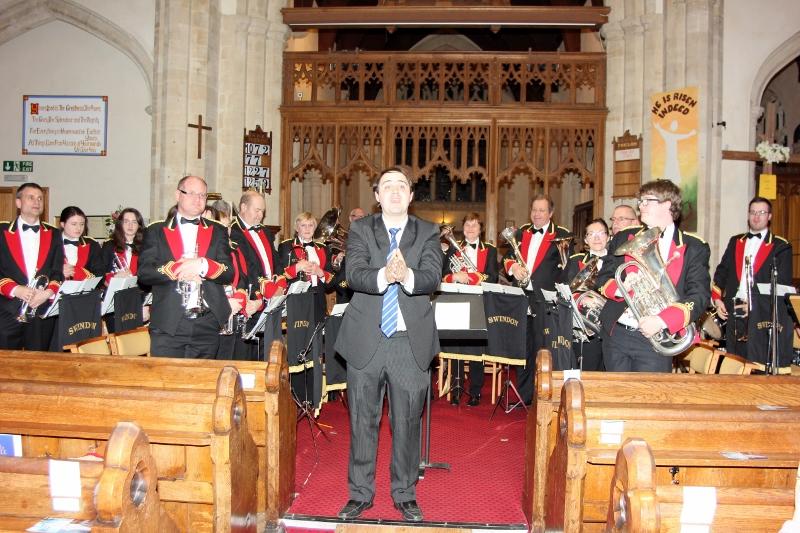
483 486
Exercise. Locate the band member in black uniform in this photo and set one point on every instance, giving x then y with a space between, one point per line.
189 254
747 261
483 256
543 264
120 254
82 255
626 340
28 249
590 353
343 291
255 243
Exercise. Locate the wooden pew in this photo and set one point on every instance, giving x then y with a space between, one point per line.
693 439
638 503
207 460
117 495
625 388
271 411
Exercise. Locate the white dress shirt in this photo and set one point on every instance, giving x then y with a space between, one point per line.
70 252
751 248
262 252
30 246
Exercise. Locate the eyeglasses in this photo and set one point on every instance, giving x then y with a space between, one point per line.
621 219
758 213
199 195
648 201
591 234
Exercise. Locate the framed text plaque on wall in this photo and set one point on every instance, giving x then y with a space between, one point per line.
627 165
256 173
64 125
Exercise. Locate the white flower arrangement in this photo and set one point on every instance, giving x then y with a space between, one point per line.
772 152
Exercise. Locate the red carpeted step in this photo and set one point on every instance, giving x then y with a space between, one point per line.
483 486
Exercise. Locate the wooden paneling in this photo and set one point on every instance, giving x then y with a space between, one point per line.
8 206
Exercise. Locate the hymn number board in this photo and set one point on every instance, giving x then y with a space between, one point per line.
257 160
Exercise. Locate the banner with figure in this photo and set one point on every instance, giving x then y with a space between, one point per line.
674 156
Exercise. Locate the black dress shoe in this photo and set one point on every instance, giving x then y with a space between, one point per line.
474 401
353 509
410 510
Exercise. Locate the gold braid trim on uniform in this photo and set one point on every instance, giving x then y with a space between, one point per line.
166 269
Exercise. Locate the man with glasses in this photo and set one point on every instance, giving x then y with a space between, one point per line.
746 263
590 354
191 252
623 217
626 340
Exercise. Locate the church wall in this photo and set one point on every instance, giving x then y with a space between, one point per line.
42 64
137 17
751 34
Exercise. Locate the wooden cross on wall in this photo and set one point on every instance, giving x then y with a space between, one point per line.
200 127
769 136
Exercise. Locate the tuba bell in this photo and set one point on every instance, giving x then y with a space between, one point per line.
331 232
562 245
652 289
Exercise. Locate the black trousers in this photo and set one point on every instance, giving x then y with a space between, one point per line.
394 368
592 353
196 338
468 347
35 335
627 350
534 341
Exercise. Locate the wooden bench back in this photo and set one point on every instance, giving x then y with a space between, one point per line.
639 503
118 494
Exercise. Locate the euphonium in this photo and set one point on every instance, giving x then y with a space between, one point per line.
652 289
508 235
26 312
590 302
458 261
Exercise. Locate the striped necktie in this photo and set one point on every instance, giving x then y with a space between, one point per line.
390 308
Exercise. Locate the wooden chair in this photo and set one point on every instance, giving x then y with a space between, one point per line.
700 359
132 342
728 363
95 346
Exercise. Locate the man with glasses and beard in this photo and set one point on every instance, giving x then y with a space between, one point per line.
626 339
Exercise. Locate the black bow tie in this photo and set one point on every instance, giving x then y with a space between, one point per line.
749 235
535 231
35 228
474 245
256 227
129 245
73 243
195 221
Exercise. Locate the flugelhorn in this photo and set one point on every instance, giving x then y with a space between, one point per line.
652 289
459 261
26 312
508 235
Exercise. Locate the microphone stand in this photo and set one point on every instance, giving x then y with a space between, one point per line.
305 407
773 365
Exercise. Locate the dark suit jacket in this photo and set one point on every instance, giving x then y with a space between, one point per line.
577 262
487 264
546 272
688 271
162 248
729 271
90 259
367 248
50 262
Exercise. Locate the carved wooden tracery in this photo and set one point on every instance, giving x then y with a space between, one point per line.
492 117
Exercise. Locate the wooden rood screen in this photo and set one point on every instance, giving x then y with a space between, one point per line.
490 116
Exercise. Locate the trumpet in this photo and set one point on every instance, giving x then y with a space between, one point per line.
459 261
742 308
26 312
508 235
236 322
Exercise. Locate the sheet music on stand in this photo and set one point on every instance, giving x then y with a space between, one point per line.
116 284
577 321
298 287
783 290
503 289
70 286
339 309
460 288
273 304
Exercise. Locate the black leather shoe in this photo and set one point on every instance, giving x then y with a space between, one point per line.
353 509
474 401
410 510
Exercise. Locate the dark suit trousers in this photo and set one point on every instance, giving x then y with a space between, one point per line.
628 351
534 340
196 338
591 352
34 335
393 365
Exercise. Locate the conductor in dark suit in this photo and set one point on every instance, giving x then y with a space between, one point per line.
388 337
187 248
626 338
746 263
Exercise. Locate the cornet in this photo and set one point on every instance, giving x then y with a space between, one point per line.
191 293
459 261
26 312
508 235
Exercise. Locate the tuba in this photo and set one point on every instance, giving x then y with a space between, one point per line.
459 262
590 302
508 235
652 289
331 232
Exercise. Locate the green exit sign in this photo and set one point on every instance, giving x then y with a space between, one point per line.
17 166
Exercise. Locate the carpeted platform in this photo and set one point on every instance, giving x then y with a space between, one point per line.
483 486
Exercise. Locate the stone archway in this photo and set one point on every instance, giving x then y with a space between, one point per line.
24 15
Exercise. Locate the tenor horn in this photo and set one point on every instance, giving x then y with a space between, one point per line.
508 235
590 302
459 261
